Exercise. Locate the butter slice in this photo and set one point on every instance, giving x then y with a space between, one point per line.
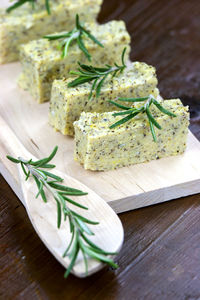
25 24
42 62
97 147
67 104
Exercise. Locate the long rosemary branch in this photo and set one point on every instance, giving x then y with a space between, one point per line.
131 112
79 229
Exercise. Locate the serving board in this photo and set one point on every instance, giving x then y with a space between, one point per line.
124 189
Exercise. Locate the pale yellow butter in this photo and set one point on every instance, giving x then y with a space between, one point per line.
97 147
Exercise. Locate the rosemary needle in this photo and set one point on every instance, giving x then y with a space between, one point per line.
131 112
77 34
32 2
96 75
79 229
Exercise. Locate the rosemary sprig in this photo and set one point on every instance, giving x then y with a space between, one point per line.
78 224
96 75
131 112
77 34
19 3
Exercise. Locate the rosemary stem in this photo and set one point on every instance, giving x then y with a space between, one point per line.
78 224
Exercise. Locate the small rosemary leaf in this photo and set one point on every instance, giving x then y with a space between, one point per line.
92 37
73 260
71 224
85 67
100 257
84 219
123 56
66 47
75 73
133 99
101 70
45 166
92 88
66 193
43 196
74 203
122 121
48 166
77 22
40 162
28 175
23 168
17 161
119 105
90 243
103 252
59 214
75 193
83 48
41 173
162 109
40 189
86 73
47 6
79 80
37 181
58 179
52 37
96 247
85 262
152 131
127 112
114 74
42 193
66 188
99 86
69 246
16 5
151 118
108 66
84 227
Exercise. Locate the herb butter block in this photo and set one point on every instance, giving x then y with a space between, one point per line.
42 62
100 148
25 24
67 104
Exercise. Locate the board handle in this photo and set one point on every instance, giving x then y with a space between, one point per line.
10 142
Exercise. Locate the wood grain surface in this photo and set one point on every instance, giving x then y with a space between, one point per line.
160 258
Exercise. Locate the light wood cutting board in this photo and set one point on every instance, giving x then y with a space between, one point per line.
124 189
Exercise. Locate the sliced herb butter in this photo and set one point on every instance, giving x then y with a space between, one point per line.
67 104
98 147
25 23
42 62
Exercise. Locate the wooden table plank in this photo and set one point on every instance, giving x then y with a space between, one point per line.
160 257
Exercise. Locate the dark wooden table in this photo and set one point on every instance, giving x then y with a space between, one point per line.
160 258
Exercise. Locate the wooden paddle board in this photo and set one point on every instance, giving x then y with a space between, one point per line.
124 189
